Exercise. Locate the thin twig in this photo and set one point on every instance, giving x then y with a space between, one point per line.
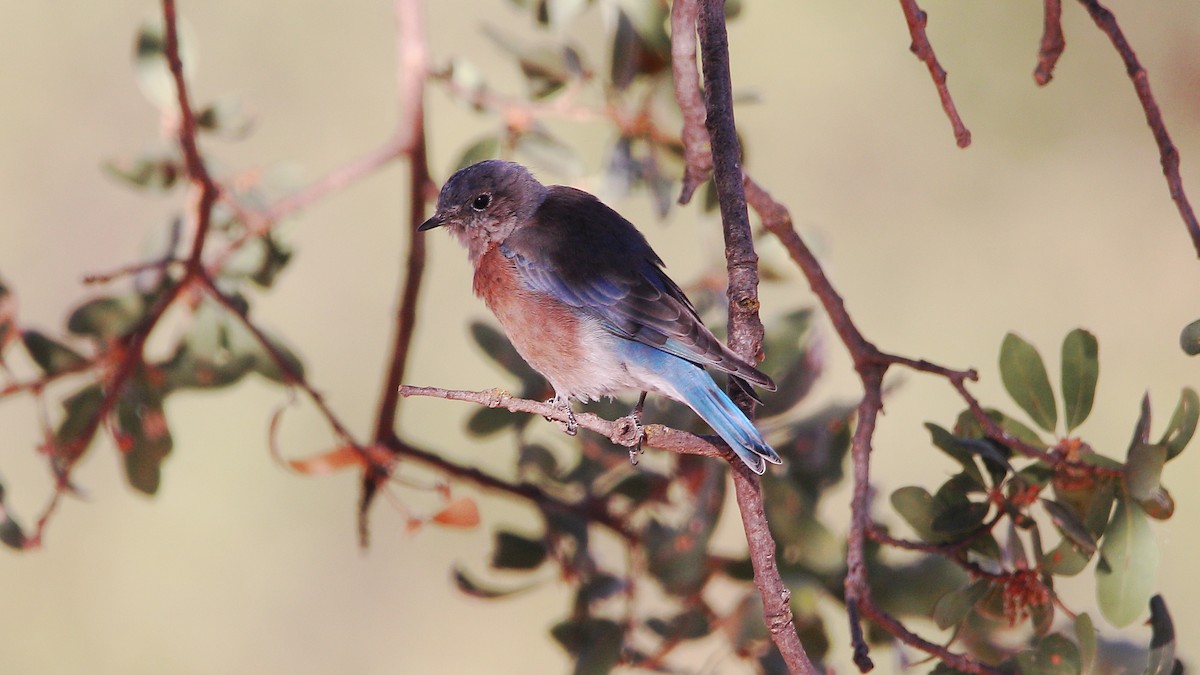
1168 154
620 432
697 150
412 65
745 324
916 19
1053 42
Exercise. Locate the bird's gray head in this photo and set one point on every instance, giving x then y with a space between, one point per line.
483 203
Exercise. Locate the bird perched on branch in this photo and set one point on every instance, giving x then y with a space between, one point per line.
585 300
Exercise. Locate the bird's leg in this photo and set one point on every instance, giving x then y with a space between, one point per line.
634 419
570 427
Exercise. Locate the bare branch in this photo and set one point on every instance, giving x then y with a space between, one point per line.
917 19
1053 42
697 150
1168 154
745 325
411 72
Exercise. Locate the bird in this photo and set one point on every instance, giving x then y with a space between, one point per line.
587 303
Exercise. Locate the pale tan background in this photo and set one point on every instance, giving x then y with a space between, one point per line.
1057 217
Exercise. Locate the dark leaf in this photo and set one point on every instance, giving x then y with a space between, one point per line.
1143 470
1189 338
641 45
1070 525
515 552
226 117
535 462
152 172
1162 639
107 317
1024 376
51 356
947 443
917 507
471 587
1080 370
142 434
1183 423
1055 655
11 534
153 75
547 69
952 608
78 427
1125 579
487 421
689 625
595 643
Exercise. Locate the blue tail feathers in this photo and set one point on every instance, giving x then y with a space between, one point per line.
701 394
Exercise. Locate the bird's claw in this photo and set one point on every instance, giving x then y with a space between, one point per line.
632 432
571 426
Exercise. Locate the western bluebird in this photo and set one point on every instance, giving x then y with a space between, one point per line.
585 301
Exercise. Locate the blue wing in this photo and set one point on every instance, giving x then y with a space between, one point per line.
586 255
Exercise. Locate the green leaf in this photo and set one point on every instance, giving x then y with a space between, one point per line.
226 117
1183 423
595 643
1085 637
1159 505
107 317
487 147
151 172
547 69
515 552
51 356
916 506
1189 339
688 625
543 150
142 434
536 462
1125 577
153 75
1055 655
952 608
1080 370
1024 376
1162 639
78 427
947 443
1143 470
11 534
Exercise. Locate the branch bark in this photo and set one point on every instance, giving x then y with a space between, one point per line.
745 325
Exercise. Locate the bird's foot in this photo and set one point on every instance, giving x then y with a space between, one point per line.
631 431
571 426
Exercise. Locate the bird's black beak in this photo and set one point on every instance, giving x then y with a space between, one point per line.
434 221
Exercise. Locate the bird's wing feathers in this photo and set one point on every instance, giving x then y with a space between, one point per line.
586 255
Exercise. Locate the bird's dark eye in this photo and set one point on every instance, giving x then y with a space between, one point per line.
481 202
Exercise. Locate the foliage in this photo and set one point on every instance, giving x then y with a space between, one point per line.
1025 506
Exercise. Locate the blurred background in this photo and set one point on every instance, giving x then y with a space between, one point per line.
1056 217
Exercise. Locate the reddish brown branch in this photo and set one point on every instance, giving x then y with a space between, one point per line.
889 623
745 324
620 432
1168 154
917 19
411 71
697 150
1053 42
